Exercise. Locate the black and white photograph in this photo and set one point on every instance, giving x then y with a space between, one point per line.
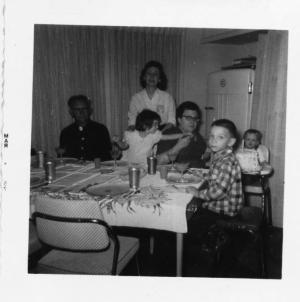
148 151
124 118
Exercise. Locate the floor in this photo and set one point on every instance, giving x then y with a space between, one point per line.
240 261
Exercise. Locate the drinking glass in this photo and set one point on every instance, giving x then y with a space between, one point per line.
163 170
115 154
60 152
172 158
97 162
181 167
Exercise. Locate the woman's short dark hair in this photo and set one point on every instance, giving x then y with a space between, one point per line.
188 105
163 81
227 124
145 119
255 132
75 98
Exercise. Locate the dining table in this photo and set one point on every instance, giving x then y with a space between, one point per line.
160 204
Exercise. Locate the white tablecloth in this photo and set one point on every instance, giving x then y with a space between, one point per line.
167 213
171 215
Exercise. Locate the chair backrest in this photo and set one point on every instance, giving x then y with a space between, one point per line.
70 235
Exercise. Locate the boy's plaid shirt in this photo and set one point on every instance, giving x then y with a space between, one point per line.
224 192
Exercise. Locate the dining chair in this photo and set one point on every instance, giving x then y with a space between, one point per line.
248 221
34 243
258 185
36 249
81 241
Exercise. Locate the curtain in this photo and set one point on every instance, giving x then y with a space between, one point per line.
269 108
103 63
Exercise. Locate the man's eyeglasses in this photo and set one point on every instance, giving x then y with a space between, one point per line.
191 118
83 109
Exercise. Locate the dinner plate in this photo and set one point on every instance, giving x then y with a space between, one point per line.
108 189
187 178
36 181
106 170
111 163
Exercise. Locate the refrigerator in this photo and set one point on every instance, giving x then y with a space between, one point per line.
230 94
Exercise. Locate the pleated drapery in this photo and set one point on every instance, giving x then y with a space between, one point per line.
269 108
103 63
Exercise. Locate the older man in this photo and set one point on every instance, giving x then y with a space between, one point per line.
187 149
84 139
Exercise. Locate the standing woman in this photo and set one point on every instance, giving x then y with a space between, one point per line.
153 97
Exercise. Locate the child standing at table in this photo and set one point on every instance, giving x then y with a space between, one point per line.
138 144
222 196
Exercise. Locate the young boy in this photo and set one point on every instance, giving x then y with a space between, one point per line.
223 195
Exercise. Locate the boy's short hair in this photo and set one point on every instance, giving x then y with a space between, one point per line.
255 132
75 98
145 119
187 105
227 124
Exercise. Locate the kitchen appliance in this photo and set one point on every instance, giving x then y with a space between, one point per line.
230 94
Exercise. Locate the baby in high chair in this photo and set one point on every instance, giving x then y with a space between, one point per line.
252 140
252 155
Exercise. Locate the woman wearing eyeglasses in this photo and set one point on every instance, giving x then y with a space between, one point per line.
188 148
